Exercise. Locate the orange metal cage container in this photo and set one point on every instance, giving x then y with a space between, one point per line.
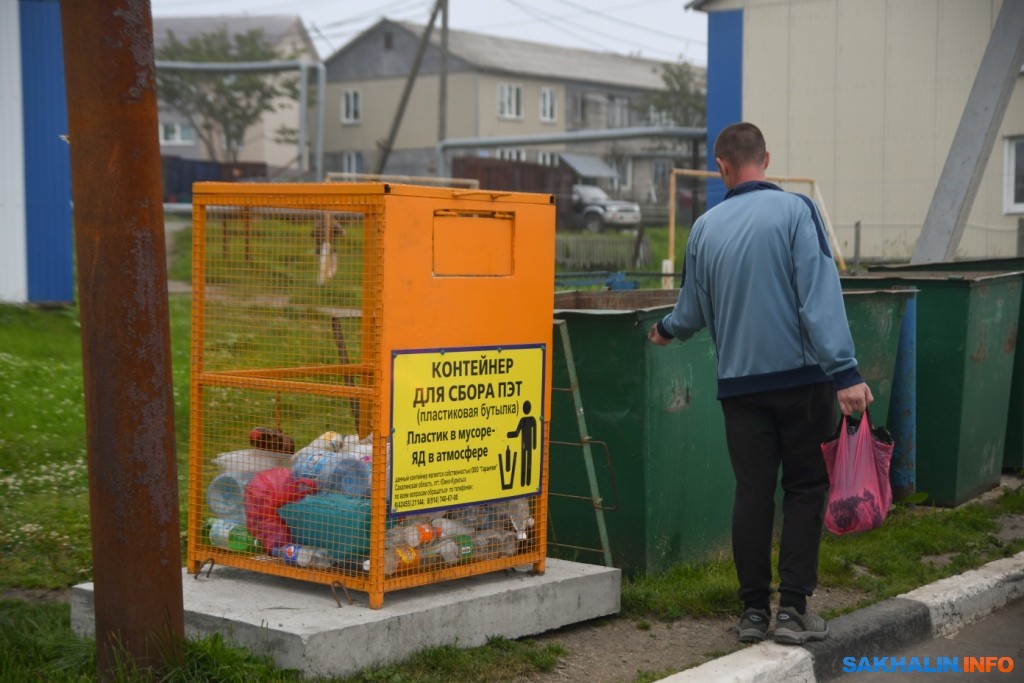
370 390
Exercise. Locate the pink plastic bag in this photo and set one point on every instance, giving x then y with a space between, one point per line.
857 458
264 496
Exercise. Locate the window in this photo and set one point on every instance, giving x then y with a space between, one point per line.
548 105
659 117
389 41
351 106
661 169
512 154
623 173
177 134
618 111
510 101
1013 192
547 158
352 162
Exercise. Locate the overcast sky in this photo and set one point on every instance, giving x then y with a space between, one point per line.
656 29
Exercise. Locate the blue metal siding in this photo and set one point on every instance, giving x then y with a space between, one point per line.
47 158
725 84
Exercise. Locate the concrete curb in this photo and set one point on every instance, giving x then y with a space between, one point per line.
938 609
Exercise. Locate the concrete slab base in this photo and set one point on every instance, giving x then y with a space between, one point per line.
300 625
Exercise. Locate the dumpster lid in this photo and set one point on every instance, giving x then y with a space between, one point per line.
614 302
935 276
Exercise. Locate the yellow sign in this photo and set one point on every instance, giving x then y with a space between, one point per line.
466 425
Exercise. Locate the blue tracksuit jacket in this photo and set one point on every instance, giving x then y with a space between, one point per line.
759 275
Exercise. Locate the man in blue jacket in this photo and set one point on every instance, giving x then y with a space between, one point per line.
760 276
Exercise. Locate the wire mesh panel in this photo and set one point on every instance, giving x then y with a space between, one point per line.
320 313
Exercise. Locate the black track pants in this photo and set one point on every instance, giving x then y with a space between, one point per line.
764 431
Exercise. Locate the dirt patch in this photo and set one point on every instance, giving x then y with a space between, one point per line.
617 650
1011 528
36 594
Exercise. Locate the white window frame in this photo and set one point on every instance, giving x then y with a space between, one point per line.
512 153
618 111
1013 155
351 106
548 105
659 117
176 138
510 101
352 162
547 158
623 168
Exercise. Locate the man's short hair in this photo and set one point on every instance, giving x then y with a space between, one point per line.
740 144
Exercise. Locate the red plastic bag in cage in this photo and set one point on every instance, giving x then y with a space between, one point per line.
857 457
264 496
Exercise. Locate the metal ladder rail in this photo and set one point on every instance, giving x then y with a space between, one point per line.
585 443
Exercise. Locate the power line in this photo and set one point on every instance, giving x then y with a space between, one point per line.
603 47
617 20
548 18
567 15
378 12
341 31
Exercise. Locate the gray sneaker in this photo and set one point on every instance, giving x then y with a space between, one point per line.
793 628
753 626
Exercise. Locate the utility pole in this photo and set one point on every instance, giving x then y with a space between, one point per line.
442 104
385 150
110 80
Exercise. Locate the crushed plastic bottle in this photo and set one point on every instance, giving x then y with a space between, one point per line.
519 516
452 550
412 535
450 527
303 556
231 534
402 558
478 517
494 543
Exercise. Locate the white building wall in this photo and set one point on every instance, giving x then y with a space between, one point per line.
865 97
13 257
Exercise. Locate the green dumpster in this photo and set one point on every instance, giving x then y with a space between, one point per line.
665 485
966 339
1013 449
875 317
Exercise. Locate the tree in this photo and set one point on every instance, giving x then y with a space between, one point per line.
683 101
221 106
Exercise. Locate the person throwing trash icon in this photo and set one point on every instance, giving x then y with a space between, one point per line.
527 431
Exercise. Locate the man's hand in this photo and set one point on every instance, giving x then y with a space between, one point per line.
656 338
855 399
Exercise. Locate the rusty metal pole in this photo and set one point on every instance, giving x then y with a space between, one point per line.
122 287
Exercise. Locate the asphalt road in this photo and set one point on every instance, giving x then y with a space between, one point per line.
999 636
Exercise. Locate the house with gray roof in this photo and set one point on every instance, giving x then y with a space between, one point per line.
496 87
287 34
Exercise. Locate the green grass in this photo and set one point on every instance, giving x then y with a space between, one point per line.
36 643
882 564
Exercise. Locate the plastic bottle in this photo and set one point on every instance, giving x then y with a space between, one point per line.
412 535
520 517
303 556
492 544
478 517
401 558
232 535
225 496
450 527
453 549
